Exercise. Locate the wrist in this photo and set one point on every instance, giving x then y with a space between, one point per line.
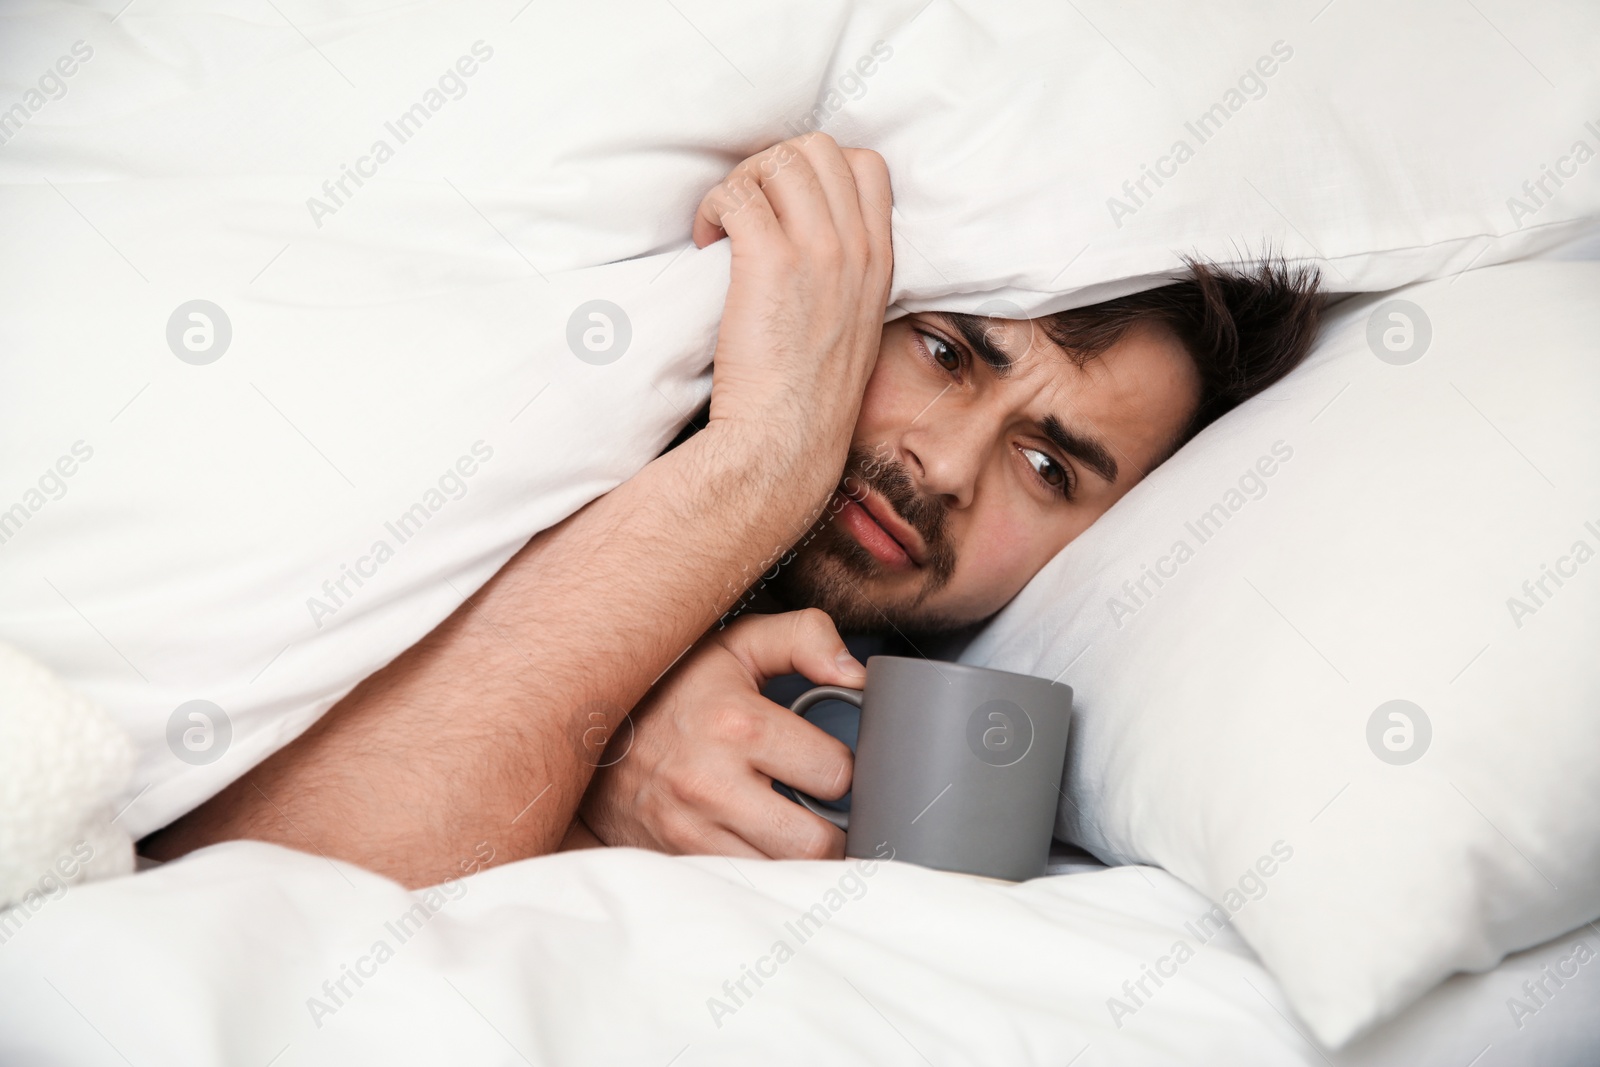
785 460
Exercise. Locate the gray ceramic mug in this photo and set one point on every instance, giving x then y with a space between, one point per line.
957 767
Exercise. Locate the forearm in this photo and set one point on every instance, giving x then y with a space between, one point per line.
489 729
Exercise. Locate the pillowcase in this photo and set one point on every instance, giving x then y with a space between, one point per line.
295 366
1050 155
1334 662
275 286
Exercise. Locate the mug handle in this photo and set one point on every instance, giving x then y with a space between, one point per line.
803 704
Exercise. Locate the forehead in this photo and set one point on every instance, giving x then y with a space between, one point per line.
1136 396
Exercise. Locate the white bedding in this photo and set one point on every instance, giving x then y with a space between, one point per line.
219 540
1205 728
614 957
373 349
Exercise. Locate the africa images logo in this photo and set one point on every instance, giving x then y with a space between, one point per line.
1000 733
1137 593
1251 85
336 191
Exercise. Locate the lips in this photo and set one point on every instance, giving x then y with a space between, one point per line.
882 532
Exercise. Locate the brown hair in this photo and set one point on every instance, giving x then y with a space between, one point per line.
1244 328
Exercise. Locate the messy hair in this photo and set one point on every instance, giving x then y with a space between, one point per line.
1245 328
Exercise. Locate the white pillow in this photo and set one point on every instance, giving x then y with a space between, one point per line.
386 323
1054 154
191 544
1413 516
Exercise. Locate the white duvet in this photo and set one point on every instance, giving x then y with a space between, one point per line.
255 955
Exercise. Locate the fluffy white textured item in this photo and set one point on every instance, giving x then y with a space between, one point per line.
1358 617
397 217
62 763
244 952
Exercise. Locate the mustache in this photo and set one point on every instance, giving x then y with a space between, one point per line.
865 467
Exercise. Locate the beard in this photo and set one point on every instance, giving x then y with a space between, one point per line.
831 571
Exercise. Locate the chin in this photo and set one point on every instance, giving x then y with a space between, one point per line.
846 582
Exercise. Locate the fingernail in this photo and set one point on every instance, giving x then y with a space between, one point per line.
848 663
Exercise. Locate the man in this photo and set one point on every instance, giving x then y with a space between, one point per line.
948 458
982 448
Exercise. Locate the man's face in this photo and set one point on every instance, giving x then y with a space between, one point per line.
980 451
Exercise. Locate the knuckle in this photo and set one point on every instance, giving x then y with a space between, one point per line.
829 255
805 179
698 789
736 726
858 250
814 624
677 833
866 161
839 167
784 162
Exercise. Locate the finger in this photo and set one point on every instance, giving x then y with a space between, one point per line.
805 641
838 182
723 198
877 200
800 754
717 841
784 830
736 206
796 193
686 834
789 186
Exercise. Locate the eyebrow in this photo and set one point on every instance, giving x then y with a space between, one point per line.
1088 451
974 329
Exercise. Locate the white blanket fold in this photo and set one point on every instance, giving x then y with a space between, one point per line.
244 952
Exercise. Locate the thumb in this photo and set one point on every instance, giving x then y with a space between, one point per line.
796 641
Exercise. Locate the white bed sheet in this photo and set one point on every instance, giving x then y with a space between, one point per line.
614 956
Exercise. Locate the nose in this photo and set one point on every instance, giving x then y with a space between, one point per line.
944 451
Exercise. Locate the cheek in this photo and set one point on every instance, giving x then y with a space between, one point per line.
999 550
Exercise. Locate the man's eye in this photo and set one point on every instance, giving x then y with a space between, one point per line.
1050 472
944 355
